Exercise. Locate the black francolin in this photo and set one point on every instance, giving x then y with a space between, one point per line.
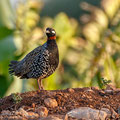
39 63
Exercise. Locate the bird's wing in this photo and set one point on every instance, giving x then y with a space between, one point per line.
28 60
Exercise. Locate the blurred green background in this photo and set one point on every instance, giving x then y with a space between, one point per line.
88 37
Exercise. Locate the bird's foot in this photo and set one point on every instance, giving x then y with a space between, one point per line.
41 88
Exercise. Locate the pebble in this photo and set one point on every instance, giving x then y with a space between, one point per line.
49 102
32 115
95 88
6 112
108 91
119 110
89 90
12 117
33 105
102 93
42 111
110 87
28 115
22 112
51 118
117 90
71 90
51 93
114 114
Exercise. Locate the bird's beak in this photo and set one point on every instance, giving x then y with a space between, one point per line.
47 31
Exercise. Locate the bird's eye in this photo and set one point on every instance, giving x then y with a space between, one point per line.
53 32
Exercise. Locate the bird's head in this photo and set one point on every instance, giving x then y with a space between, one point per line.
51 34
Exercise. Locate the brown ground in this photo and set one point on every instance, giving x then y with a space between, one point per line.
67 100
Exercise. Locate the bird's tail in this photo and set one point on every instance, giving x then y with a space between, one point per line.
12 67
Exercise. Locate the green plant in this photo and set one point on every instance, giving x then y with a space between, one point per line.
104 82
16 97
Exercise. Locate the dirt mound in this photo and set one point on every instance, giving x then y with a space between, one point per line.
57 103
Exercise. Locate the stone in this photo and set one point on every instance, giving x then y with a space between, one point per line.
110 87
119 110
87 114
6 112
51 118
42 111
71 90
109 92
32 115
114 114
49 102
21 112
51 93
95 88
89 90
102 93
107 111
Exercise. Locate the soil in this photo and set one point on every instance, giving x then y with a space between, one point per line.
67 100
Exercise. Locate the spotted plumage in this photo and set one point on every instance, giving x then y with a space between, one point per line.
39 63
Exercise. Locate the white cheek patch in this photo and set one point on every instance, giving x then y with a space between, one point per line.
53 32
47 31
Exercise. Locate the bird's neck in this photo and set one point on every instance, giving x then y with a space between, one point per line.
52 38
51 42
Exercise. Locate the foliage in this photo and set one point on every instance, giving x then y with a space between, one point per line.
104 82
89 47
16 98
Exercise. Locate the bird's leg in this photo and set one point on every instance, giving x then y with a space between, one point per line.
40 84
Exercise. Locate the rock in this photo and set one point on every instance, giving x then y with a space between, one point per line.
114 114
51 118
117 90
51 93
89 90
13 117
21 112
95 88
28 115
6 112
42 111
109 92
107 111
33 105
71 90
119 110
110 87
71 118
87 114
102 93
50 102
32 115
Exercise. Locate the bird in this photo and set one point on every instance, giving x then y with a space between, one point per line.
40 62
